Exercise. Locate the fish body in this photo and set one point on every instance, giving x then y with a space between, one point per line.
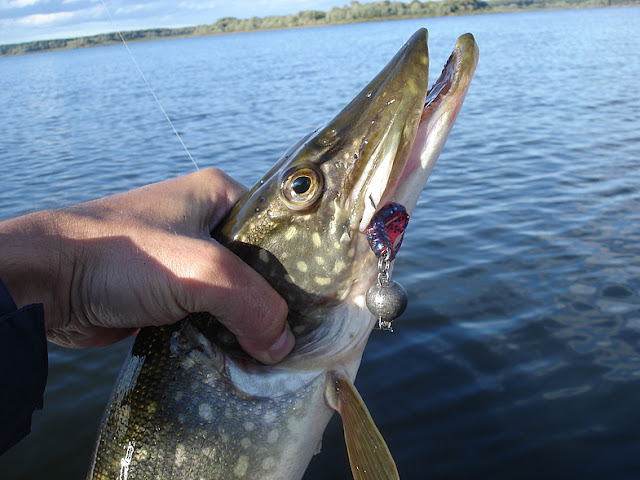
189 404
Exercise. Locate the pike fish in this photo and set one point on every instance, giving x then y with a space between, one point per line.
189 404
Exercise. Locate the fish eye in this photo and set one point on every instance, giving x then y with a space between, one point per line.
301 187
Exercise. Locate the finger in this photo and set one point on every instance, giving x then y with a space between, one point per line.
245 303
221 193
219 183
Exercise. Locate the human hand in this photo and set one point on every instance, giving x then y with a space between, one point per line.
105 268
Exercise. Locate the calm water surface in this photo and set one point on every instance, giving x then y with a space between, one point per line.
519 355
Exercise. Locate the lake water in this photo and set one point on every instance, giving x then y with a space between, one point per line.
519 355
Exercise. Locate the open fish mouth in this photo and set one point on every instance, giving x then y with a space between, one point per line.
402 177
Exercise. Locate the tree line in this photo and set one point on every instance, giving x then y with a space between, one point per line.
354 12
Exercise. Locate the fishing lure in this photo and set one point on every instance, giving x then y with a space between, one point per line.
386 299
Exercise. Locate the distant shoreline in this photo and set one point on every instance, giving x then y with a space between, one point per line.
353 13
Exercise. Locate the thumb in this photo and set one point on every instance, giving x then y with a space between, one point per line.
244 302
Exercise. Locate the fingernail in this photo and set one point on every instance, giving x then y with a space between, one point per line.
282 346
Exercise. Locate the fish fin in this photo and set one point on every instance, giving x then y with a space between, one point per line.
369 455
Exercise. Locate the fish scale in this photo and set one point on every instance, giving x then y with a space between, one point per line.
213 426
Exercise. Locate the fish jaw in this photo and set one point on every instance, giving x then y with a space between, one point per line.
442 105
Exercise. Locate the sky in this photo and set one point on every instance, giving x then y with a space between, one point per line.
28 20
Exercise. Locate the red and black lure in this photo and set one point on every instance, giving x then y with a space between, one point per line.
386 299
386 230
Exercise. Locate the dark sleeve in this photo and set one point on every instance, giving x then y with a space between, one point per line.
23 367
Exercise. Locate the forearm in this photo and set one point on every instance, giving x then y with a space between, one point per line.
73 261
31 250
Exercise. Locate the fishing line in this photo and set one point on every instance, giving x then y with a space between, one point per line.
153 93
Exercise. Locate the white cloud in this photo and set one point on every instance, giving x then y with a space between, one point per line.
40 19
20 3
58 18
131 9
199 5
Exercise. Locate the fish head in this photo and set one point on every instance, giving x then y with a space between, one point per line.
302 225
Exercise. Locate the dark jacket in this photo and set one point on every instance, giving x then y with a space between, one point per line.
23 367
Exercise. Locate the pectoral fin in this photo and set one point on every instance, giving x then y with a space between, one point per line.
368 453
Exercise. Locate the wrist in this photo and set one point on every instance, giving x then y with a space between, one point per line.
30 261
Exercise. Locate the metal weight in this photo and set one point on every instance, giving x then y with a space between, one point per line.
387 301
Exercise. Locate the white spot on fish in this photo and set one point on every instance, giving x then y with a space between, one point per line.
143 454
242 466
180 455
351 252
245 442
273 436
205 411
270 417
302 266
208 452
263 255
248 426
323 280
187 363
317 241
339 266
269 463
289 234
320 260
